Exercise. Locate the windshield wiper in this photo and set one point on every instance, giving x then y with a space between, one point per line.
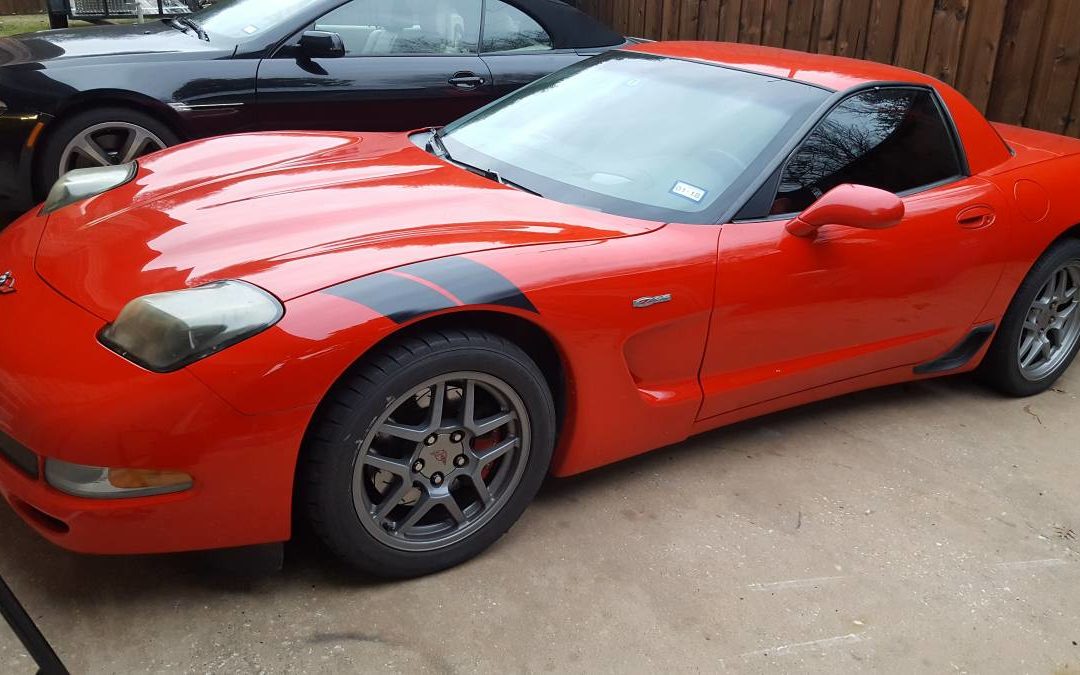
435 143
193 25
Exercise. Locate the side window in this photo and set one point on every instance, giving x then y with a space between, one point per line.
508 29
892 138
382 27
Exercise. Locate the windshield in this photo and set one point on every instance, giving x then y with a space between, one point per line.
638 135
243 20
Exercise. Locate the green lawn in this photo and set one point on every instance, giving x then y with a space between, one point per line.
22 23
28 23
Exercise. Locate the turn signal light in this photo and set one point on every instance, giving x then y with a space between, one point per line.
96 482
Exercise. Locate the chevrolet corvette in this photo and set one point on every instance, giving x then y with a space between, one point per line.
397 336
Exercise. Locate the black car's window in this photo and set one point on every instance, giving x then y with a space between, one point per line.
243 20
508 29
894 138
382 27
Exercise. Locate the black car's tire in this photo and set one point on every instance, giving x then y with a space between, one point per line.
1003 368
109 127
343 493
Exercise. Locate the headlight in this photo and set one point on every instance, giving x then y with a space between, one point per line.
79 184
167 331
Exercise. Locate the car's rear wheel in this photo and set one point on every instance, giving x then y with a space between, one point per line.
1040 334
428 452
100 137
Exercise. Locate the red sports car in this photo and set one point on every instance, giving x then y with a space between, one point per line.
398 336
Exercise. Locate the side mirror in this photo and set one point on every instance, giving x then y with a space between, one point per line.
852 206
317 44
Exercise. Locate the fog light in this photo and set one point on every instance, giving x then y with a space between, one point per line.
96 482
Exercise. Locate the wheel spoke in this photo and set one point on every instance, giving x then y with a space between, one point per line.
89 148
438 401
418 511
450 504
1030 352
394 466
404 431
137 140
494 452
481 487
391 500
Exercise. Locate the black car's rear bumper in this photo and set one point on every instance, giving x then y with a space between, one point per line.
18 135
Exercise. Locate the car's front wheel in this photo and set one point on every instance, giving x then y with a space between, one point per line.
428 452
1040 333
100 137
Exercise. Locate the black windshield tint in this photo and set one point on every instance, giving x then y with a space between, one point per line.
638 135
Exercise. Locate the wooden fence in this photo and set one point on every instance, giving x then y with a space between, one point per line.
22 6
1017 60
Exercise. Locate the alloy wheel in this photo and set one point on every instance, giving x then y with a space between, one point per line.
108 144
1052 325
441 462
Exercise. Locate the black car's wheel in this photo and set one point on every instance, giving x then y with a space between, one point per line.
1040 333
428 452
100 137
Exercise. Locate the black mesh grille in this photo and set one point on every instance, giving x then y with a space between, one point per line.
19 455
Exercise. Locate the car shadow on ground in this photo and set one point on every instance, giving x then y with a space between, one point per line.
73 579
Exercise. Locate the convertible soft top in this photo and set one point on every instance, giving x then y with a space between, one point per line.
569 28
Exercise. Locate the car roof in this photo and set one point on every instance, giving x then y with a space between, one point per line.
569 27
836 73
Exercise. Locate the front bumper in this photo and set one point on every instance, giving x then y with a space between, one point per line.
18 137
63 395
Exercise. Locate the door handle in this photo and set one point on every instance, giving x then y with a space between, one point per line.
466 80
975 217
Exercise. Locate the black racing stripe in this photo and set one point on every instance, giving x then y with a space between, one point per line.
471 282
395 297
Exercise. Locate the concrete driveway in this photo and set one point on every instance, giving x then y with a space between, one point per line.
921 528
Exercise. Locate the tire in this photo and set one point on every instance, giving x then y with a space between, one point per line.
362 510
98 121
1004 368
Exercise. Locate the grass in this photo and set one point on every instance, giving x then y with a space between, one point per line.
22 23
28 23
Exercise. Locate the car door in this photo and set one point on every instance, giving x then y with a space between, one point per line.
518 49
407 64
795 313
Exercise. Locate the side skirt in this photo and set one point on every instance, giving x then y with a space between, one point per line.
961 354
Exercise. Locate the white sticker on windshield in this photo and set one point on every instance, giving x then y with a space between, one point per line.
251 30
691 192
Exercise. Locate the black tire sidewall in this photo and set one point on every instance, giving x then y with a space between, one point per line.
330 495
47 167
1002 364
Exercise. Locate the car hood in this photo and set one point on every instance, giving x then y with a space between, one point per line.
293 212
118 42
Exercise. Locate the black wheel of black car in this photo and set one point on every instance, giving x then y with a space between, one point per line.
1040 334
428 452
100 137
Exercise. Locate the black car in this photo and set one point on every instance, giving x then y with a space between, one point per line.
104 95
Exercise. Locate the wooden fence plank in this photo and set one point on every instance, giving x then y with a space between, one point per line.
828 24
946 39
729 20
800 25
1058 67
982 36
670 28
654 12
22 6
1074 117
851 31
688 19
881 30
750 21
913 33
709 20
1017 58
774 24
